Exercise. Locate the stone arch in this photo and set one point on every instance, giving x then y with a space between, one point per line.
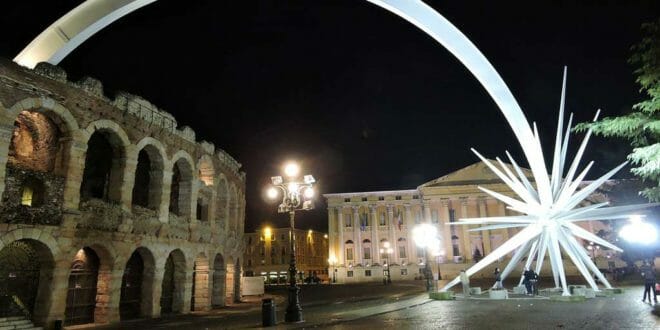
204 204
26 270
181 187
136 297
105 161
222 207
206 170
90 289
219 281
47 106
200 290
149 173
173 286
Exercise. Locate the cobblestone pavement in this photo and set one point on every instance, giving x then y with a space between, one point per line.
404 305
624 311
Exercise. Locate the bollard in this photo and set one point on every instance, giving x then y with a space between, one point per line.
268 317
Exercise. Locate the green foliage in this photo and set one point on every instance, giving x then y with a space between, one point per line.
642 125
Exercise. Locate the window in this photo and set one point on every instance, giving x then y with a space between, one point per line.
434 216
26 198
262 250
415 196
404 271
349 273
402 252
347 200
364 199
418 217
364 220
32 193
249 262
367 253
382 219
349 253
452 215
367 272
349 221
250 240
381 198
397 198
282 237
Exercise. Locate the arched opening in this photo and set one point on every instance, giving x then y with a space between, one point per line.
206 170
366 251
35 170
202 208
229 280
219 274
174 277
223 200
82 291
104 164
136 285
26 271
200 289
147 189
181 188
131 288
349 253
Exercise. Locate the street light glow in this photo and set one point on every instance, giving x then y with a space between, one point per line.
638 231
424 235
291 169
293 187
272 193
309 192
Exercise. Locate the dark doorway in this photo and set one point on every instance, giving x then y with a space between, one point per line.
130 303
81 295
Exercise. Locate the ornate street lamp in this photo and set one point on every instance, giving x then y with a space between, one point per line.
333 262
296 196
387 250
425 236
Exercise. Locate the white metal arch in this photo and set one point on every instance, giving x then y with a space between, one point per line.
59 39
72 29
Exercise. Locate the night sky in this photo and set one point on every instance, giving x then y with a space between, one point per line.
362 98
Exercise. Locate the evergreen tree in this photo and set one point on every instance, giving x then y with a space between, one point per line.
642 125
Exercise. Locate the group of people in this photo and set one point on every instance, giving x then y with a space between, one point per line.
648 274
530 279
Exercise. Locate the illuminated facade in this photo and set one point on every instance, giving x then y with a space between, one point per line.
267 254
109 211
360 223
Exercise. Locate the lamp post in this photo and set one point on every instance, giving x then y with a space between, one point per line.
296 196
424 236
333 262
387 250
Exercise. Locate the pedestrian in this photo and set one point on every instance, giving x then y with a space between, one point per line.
648 274
534 282
498 279
527 280
465 280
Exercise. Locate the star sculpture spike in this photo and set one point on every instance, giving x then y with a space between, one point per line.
549 210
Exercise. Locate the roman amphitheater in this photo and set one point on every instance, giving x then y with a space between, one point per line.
109 211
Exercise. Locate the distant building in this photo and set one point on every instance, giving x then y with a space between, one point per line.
360 224
267 254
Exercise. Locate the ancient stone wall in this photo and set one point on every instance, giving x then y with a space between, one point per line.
85 177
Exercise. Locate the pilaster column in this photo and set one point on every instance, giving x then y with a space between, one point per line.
427 212
410 223
392 237
340 235
128 178
485 234
76 152
466 234
164 209
374 234
446 229
358 233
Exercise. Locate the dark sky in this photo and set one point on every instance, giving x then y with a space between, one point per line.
363 99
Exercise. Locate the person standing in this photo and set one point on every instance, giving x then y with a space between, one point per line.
465 280
648 274
498 279
527 280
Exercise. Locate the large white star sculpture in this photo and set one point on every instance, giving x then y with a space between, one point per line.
548 218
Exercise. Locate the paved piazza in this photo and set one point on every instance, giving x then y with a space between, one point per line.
403 305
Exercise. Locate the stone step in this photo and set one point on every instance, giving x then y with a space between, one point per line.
15 322
11 318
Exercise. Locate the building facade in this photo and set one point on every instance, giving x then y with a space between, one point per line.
267 254
361 224
109 211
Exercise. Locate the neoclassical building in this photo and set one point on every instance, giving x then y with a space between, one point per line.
360 224
267 254
109 211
